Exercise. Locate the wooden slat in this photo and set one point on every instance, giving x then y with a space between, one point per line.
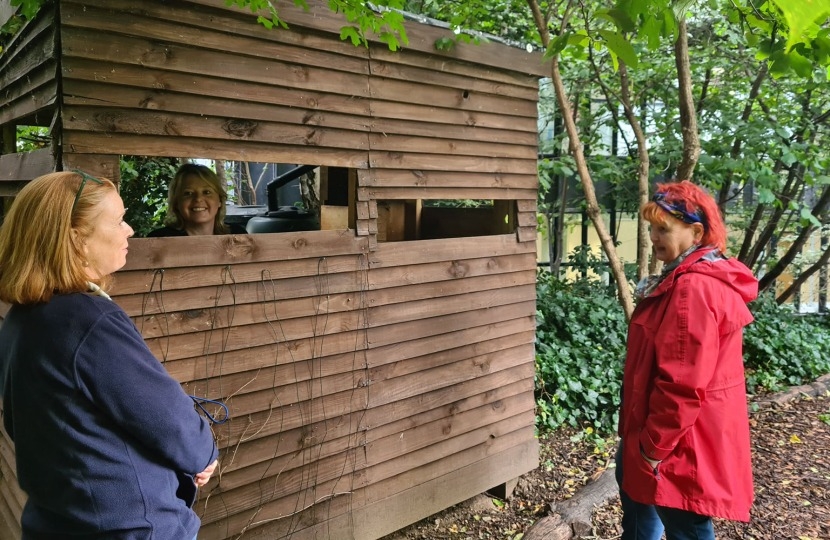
449 98
443 491
395 415
163 124
26 166
121 49
481 164
527 205
393 110
39 80
153 253
92 143
526 219
421 38
243 487
176 24
400 178
385 142
256 102
438 122
345 348
451 249
425 491
432 193
33 45
482 74
34 108
526 234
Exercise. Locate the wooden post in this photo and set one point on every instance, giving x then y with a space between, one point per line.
102 165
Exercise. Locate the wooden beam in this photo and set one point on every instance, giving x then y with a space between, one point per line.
102 165
24 166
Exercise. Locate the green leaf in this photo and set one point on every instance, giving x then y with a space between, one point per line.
620 46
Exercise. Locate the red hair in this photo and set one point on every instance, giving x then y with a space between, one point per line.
694 199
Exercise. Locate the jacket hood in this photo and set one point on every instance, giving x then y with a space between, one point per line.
711 262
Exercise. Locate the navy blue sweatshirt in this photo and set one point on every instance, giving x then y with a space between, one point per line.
104 437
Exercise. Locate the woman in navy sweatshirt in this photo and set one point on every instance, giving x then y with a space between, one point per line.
108 445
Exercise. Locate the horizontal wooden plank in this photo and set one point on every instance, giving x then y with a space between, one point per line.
89 93
448 162
31 47
121 49
416 318
338 292
104 143
441 64
147 122
421 38
268 273
265 416
170 23
422 93
435 193
167 89
158 253
24 166
38 80
36 108
347 502
325 461
165 313
426 498
401 178
527 205
340 350
438 121
449 249
385 335
394 417
386 142
249 392
417 113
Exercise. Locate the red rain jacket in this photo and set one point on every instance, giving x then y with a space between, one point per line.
684 391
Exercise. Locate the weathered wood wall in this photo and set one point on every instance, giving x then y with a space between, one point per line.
370 384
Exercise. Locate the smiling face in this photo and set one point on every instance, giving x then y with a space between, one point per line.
198 203
106 247
673 237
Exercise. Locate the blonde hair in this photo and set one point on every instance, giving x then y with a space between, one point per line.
41 239
174 218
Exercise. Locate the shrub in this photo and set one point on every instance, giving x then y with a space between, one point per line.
783 348
580 350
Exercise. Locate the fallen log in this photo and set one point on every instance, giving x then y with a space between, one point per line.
572 518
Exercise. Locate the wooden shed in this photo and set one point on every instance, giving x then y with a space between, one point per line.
377 370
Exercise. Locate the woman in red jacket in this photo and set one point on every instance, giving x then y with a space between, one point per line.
684 454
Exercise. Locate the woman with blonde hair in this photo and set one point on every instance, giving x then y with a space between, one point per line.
196 204
107 444
684 454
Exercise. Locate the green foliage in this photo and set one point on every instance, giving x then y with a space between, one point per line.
580 350
782 348
144 182
580 347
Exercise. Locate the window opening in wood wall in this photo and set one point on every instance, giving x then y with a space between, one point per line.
402 220
262 197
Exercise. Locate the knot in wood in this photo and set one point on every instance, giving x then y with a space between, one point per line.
239 128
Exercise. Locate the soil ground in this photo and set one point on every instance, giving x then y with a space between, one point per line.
791 466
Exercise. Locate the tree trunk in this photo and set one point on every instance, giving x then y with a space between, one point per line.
796 246
688 117
804 276
592 207
643 239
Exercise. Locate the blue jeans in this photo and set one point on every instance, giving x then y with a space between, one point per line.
647 522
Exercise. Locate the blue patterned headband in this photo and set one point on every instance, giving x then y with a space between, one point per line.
678 210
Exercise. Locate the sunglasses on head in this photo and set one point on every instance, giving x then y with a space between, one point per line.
84 178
